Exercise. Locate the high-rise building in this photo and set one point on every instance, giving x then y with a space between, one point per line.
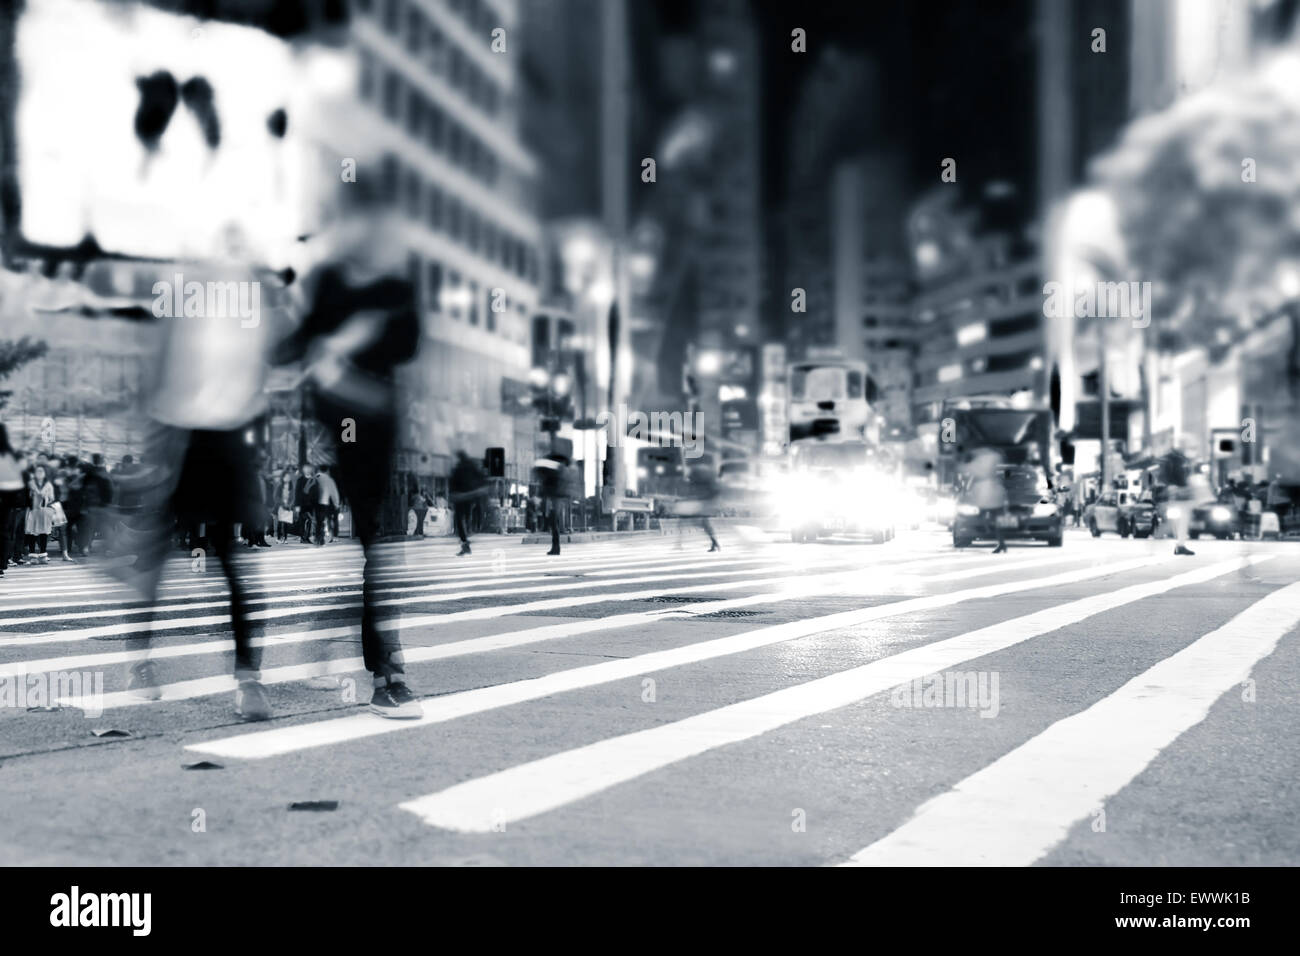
871 275
439 88
831 112
978 310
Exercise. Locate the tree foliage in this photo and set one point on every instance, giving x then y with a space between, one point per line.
14 354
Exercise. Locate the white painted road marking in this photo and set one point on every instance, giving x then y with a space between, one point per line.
539 786
1016 809
278 741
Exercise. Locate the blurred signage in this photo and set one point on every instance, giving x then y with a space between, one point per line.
164 135
741 414
774 362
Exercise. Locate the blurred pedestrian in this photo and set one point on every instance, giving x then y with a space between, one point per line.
549 474
361 320
12 495
704 492
988 492
467 485
284 505
327 503
304 502
421 508
40 514
210 388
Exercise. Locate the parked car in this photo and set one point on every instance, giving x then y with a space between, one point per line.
1121 512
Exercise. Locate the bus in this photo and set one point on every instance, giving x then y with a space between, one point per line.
827 400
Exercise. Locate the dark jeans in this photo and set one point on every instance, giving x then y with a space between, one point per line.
362 475
555 528
324 515
419 523
14 539
213 487
462 522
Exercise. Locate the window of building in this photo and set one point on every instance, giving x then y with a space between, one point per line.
437 127
456 73
411 193
393 16
435 208
437 47
454 218
414 268
391 176
433 286
414 113
453 295
367 76
1015 325
455 143
471 231
489 241
414 30
392 95
489 316
473 303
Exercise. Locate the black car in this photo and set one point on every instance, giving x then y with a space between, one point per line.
1030 512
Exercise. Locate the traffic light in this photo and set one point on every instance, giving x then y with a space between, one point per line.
494 461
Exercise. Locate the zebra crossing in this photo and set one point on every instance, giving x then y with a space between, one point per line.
644 680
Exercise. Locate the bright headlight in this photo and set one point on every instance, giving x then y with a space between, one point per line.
968 510
1220 513
1044 509
1174 512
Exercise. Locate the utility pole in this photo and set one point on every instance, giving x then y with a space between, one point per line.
616 169
1103 386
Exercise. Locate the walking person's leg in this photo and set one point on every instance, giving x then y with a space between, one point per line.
555 528
462 526
363 475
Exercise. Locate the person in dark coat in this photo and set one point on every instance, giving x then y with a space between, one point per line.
361 321
467 485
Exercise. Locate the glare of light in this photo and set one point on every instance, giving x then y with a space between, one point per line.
538 377
950 373
928 255
970 334
579 251
742 331
641 265
1288 281
731 393
1036 363
458 297
722 62
561 384
601 292
709 363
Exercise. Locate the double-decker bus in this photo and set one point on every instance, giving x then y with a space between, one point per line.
828 400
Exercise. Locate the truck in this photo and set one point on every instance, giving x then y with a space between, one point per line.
1022 440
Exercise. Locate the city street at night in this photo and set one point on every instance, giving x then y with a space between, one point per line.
646 702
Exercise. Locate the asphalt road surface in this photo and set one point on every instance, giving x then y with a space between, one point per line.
644 702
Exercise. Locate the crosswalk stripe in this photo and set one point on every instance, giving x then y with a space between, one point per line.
127 628
268 743
1013 811
543 785
96 582
199 687
385 589
73 662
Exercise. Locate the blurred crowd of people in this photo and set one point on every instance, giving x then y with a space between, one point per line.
46 498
